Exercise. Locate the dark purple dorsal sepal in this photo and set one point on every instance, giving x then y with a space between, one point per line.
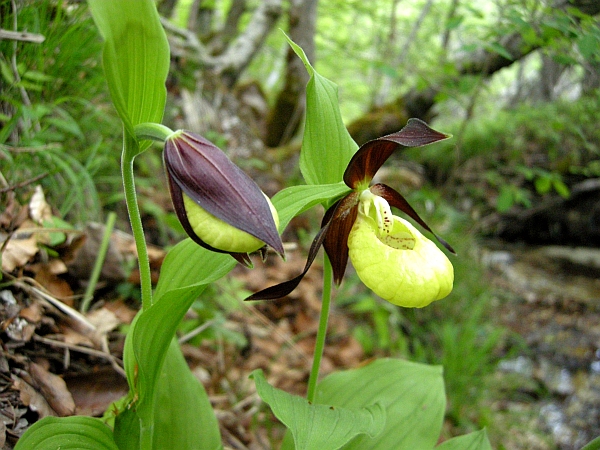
371 156
206 175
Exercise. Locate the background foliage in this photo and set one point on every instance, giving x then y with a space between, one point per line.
522 133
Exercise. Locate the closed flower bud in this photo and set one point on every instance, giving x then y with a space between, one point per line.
219 234
219 206
394 259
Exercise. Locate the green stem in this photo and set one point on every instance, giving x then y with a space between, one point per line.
322 331
100 257
152 131
130 150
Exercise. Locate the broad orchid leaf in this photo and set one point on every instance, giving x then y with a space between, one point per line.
74 432
295 200
135 58
197 428
477 440
327 146
412 394
186 271
319 426
127 430
593 445
184 418
371 156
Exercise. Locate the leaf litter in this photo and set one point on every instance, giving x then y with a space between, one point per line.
58 361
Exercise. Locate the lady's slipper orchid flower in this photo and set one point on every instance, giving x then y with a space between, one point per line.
389 254
219 206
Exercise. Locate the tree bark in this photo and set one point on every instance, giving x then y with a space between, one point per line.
286 116
392 116
230 64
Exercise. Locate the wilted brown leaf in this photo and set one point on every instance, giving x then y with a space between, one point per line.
54 389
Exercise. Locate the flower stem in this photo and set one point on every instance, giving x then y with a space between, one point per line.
322 331
153 131
130 149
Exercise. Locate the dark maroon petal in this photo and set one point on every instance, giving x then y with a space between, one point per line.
371 156
177 198
396 199
342 216
206 175
285 288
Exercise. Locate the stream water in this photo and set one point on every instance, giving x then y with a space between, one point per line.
553 302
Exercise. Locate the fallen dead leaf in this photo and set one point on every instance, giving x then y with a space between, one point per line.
95 391
54 389
18 251
124 313
56 286
32 398
33 313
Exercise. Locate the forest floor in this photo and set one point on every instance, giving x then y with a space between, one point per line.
57 360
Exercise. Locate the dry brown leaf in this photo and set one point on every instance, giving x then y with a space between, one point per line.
95 391
104 320
54 389
57 287
20 249
82 256
124 313
72 337
33 313
32 398
13 215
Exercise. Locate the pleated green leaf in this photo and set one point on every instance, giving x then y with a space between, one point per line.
135 58
477 440
67 433
412 395
294 200
184 418
186 271
319 426
326 146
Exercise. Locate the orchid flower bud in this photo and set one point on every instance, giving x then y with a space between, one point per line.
219 234
219 206
394 259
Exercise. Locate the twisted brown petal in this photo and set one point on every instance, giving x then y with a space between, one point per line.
285 288
396 199
341 218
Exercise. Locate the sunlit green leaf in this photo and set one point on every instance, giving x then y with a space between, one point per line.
412 394
75 432
294 200
135 58
477 440
326 146
186 271
593 445
561 188
184 418
319 426
506 198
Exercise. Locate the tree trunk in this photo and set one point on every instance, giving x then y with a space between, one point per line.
392 116
286 116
